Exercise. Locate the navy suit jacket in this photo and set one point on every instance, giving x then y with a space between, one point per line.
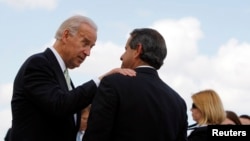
140 108
42 106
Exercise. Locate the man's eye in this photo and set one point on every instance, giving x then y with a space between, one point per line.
85 43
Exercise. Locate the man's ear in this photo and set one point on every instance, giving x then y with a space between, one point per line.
139 50
65 35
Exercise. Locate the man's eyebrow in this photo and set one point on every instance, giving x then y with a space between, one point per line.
86 40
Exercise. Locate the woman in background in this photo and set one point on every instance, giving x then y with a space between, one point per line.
207 109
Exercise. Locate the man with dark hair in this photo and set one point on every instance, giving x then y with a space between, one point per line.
140 108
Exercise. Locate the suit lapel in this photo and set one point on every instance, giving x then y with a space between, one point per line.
56 68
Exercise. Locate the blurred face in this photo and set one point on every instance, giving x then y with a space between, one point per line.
128 57
244 121
77 47
84 119
228 121
196 113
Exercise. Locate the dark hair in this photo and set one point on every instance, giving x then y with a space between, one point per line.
154 49
245 116
233 116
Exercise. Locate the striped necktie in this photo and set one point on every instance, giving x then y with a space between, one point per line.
67 77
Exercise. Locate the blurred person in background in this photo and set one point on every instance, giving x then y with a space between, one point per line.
245 119
83 124
231 118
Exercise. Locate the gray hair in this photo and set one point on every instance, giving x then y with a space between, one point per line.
72 24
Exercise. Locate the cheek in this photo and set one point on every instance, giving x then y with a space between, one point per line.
196 113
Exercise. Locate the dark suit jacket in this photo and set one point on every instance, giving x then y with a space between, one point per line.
141 108
42 106
7 136
198 134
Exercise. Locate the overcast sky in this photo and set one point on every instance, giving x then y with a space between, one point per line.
208 43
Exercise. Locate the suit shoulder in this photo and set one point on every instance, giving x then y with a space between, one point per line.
38 61
42 57
36 57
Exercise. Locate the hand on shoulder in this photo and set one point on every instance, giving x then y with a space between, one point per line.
123 71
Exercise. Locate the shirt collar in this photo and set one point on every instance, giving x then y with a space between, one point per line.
145 66
59 59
